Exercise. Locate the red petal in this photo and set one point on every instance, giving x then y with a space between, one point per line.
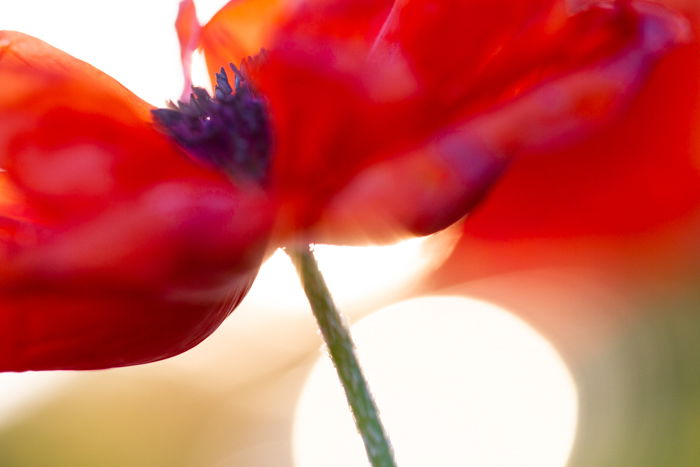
115 248
188 30
450 45
626 200
417 193
422 171
240 29
91 329
73 139
142 281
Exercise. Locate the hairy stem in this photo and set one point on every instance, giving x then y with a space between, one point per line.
342 352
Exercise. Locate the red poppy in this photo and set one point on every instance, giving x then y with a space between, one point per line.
625 200
115 249
615 215
363 121
411 109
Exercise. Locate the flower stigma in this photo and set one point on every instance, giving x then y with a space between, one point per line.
229 131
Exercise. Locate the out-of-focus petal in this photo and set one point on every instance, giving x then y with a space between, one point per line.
433 184
240 29
115 247
418 193
333 24
62 134
140 282
20 53
627 198
451 45
188 30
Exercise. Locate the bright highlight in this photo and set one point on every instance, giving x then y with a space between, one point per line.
459 382
357 276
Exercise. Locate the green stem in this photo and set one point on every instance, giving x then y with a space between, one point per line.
342 352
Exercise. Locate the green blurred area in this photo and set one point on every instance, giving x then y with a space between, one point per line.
131 418
640 392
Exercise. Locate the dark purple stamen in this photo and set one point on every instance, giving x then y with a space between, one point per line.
229 131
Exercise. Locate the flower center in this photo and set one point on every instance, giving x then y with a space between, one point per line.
229 130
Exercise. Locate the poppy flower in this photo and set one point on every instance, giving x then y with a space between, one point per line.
115 248
625 201
129 233
596 245
412 109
